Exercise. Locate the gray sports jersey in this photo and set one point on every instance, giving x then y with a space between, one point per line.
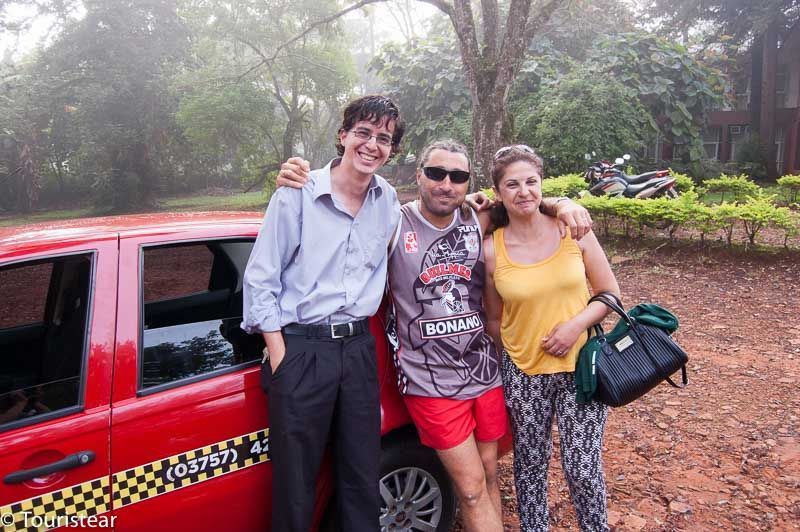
436 278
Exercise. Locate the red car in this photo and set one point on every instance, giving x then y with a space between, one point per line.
130 397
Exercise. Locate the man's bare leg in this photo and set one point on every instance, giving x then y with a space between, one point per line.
465 467
488 453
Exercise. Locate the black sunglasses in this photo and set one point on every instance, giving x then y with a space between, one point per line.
438 174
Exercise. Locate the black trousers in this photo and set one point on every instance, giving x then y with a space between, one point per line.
325 390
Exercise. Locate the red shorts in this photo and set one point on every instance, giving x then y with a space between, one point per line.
444 423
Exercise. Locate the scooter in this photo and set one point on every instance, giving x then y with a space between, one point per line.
606 179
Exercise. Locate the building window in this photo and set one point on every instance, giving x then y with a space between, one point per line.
779 147
192 312
711 142
652 150
743 95
781 81
738 135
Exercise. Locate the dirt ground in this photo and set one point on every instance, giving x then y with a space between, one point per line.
724 453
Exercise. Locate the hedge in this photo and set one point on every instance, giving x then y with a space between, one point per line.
751 208
754 214
569 185
789 185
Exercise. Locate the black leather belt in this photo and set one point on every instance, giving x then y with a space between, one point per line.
341 330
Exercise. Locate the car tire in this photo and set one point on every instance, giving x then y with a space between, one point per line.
416 492
407 465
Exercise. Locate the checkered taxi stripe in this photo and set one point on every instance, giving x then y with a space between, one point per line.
144 482
176 472
90 498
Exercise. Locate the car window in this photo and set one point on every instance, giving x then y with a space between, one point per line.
23 294
192 297
43 331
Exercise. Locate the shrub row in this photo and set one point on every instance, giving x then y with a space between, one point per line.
742 203
789 185
754 214
729 188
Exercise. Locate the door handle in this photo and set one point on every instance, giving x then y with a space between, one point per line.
68 462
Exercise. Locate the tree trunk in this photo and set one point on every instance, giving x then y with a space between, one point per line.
487 125
491 66
289 137
766 124
28 183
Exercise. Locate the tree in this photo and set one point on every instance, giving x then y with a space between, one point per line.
21 126
741 19
753 27
579 115
492 62
292 94
492 47
427 82
678 89
111 69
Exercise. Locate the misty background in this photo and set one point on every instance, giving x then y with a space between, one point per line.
121 106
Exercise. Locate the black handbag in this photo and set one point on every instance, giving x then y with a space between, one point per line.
632 359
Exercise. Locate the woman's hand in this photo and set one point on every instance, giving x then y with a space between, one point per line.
561 338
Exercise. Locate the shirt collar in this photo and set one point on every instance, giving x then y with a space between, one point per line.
322 182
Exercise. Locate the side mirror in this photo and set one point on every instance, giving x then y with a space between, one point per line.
627 157
619 160
587 156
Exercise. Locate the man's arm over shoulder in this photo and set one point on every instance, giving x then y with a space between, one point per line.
277 242
575 218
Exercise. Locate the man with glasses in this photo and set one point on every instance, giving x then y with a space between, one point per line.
447 369
316 274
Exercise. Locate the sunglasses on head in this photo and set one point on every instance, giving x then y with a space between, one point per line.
438 174
505 149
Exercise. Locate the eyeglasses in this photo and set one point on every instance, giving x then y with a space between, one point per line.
438 174
364 134
505 149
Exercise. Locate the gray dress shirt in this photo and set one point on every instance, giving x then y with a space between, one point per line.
314 263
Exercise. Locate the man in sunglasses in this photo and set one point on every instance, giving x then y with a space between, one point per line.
447 369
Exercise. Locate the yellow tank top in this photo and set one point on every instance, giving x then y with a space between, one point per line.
537 297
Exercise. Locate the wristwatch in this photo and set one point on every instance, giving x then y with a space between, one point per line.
265 355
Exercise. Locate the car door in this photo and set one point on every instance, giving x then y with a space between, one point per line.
189 432
57 314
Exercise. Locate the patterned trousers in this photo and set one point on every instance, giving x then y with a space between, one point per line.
532 401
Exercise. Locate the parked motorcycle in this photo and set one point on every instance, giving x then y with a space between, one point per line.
606 179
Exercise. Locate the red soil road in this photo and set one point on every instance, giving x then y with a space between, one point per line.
723 454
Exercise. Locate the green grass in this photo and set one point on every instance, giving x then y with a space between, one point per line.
251 201
716 197
46 216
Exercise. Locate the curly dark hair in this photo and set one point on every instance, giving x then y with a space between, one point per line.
374 109
508 156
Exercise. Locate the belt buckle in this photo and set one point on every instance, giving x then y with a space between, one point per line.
349 330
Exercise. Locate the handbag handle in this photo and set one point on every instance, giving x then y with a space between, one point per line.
614 303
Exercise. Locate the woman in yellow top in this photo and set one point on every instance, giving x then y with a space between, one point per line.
536 304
